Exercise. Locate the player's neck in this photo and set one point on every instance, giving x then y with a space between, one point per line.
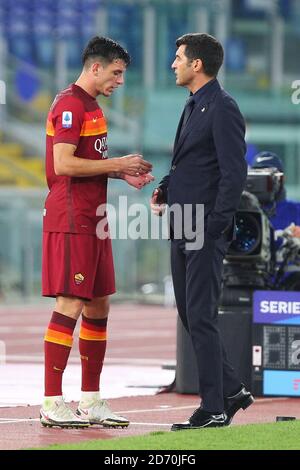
86 85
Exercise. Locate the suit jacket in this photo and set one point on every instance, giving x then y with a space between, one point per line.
208 165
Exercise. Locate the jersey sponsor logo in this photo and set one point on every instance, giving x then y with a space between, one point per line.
67 119
78 278
100 145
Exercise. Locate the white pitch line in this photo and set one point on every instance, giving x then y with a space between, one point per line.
269 400
17 421
187 407
151 424
12 358
151 410
25 329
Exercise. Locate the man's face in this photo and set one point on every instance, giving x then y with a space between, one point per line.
182 67
109 77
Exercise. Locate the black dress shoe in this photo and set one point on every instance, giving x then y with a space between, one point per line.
242 399
201 419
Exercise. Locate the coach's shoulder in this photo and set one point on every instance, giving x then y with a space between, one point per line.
226 103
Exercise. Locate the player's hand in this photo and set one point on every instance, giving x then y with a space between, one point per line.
134 165
139 181
157 206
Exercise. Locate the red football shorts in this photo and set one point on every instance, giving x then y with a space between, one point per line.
77 265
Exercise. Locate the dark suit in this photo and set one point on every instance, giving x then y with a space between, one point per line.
209 168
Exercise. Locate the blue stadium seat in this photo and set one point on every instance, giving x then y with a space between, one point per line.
66 7
235 55
14 5
89 5
87 28
248 9
177 26
44 5
44 36
19 35
2 20
27 83
118 19
67 29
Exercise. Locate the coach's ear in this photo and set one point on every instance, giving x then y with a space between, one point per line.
197 65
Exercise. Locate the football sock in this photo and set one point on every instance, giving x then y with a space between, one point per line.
57 346
92 346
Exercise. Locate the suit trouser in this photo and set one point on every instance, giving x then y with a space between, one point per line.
197 276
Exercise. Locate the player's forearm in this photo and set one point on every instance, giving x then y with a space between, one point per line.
81 167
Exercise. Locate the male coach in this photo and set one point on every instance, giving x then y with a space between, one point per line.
208 168
77 265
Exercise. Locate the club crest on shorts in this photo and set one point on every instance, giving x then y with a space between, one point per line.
67 119
78 278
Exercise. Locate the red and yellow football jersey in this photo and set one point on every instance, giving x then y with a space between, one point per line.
75 118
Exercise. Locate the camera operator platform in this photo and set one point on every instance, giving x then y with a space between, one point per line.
266 252
264 256
285 222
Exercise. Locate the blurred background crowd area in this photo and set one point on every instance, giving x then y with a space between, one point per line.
40 52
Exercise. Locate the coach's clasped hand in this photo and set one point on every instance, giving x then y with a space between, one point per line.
158 206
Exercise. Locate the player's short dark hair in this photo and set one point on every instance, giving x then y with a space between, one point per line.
106 50
204 47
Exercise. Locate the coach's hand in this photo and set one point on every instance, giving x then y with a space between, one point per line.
157 206
139 181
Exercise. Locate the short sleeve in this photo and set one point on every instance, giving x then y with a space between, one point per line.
67 119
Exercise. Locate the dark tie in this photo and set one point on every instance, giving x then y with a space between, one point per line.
188 109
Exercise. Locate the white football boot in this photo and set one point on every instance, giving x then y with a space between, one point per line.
98 412
55 413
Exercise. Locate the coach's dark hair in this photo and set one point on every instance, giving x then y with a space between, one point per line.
106 50
204 47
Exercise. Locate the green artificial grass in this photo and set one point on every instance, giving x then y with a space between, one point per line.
272 436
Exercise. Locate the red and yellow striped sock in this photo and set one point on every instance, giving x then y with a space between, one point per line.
92 346
58 344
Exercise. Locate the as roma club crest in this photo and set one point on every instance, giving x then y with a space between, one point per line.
78 278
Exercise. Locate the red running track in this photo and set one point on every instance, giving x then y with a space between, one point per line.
138 334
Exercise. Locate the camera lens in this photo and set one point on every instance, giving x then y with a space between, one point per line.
248 235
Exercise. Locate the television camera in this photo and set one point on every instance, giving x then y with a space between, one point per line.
258 258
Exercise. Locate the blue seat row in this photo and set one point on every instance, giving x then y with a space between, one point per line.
32 28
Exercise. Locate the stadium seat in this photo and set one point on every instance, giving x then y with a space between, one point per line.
44 37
